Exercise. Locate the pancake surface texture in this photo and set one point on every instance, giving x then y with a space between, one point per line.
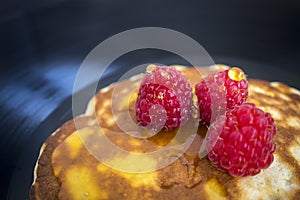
67 169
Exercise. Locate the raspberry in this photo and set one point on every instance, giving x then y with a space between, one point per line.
242 142
164 99
234 92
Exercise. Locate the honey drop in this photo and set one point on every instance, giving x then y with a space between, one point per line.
236 74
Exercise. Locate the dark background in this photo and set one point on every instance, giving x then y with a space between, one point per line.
42 44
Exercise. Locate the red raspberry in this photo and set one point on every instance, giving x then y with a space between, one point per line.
242 142
164 99
227 88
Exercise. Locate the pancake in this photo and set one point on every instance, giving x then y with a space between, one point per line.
69 166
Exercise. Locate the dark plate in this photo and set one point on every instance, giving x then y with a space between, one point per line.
22 176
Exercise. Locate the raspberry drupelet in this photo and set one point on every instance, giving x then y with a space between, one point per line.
234 92
164 99
241 142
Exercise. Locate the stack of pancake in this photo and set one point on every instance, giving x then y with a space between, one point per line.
70 165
